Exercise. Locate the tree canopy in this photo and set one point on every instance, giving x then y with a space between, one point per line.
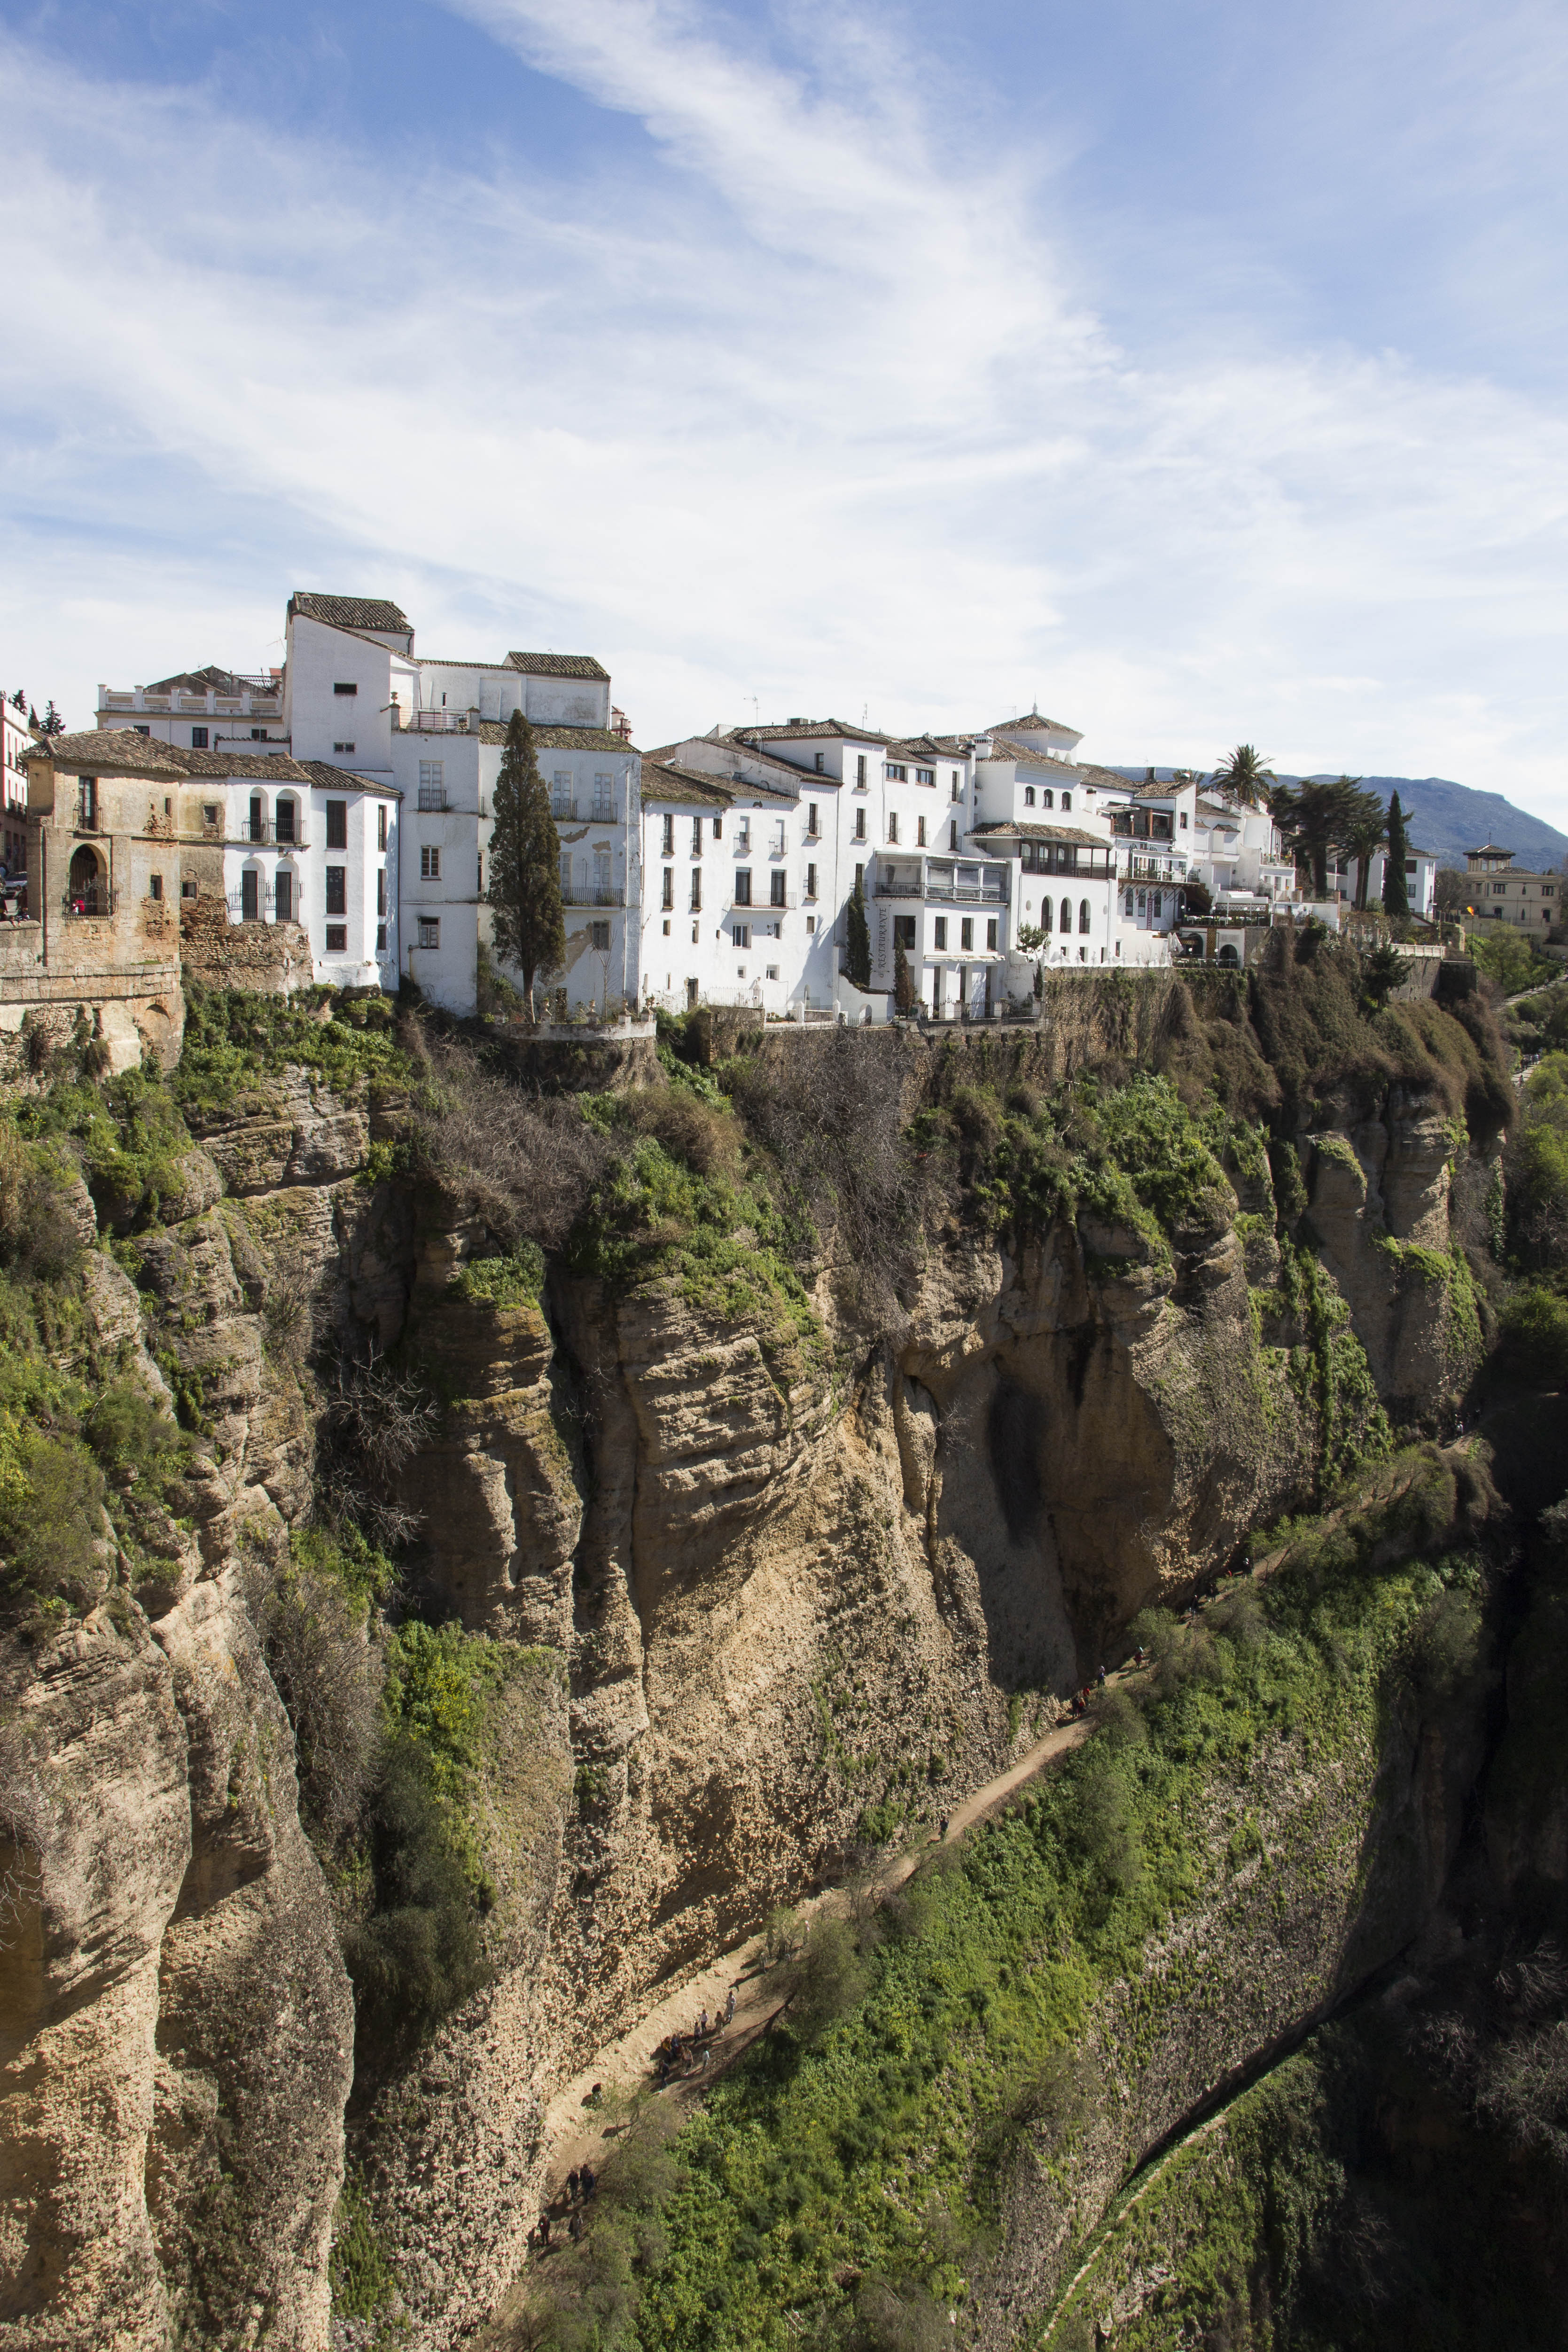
524 864
1244 774
857 941
1396 890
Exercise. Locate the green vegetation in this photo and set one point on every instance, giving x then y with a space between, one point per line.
516 1280
235 1040
1507 956
365 2286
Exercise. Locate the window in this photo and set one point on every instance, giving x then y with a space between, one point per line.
1083 914
337 938
187 889
336 824
1048 798
433 783
1028 796
429 862
1183 820
896 771
920 833
772 971
337 890
860 771
257 818
198 739
811 881
669 897
776 888
345 686
892 825
285 896
1066 923
382 827
958 788
697 894
717 828
285 820
939 934
1142 902
380 889
697 836
810 923
860 824
860 876
1127 905
1066 803
810 820
144 731
604 796
380 938
1157 904
780 843
743 833
1410 868
258 735
561 799
1045 914
669 849
155 886
742 933
953 836
566 874
429 931
926 775
991 935
249 895
694 929
599 937
904 931
819 764
743 885
87 801
210 813
966 936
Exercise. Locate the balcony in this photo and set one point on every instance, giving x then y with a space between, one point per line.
98 898
944 884
432 799
592 894
262 832
1156 869
434 723
259 700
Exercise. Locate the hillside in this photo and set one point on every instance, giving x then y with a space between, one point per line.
1448 818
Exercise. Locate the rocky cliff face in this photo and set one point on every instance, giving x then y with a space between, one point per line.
794 1594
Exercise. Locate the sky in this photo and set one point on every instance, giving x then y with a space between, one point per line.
1192 371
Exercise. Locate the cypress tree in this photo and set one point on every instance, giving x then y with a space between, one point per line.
857 951
902 986
1396 890
524 864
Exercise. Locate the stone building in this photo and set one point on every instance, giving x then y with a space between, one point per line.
1498 891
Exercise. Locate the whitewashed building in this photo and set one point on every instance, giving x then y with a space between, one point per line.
15 738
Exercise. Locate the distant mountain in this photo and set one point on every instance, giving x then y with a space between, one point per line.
1447 819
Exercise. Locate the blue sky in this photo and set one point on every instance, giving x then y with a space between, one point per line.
1196 371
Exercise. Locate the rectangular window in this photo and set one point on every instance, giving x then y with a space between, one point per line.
904 931
380 938
155 886
896 771
810 922
776 888
257 819
285 896
669 898
433 783
429 862
697 835
717 828
696 893
258 735
336 824
743 833
819 764
198 739
382 827
958 788
860 824
87 801
780 841
210 815
429 931
337 890
742 935
285 821
919 833
772 971
669 836
1183 820
893 826
144 731
991 936
811 881
743 885
599 937
479 876
187 889
337 747
811 820
603 797
939 934
345 686
966 936
249 895
337 938
926 775
561 799
860 771
380 889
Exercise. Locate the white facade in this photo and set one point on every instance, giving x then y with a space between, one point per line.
211 709
317 850
15 737
1421 880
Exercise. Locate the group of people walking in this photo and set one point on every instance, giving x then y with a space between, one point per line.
680 2056
581 2188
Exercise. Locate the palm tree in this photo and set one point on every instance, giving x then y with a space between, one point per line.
1244 775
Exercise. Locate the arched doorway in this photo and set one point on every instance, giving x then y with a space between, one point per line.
85 891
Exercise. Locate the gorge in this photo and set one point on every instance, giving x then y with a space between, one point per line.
486 1535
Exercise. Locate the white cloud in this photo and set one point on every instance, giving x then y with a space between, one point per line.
801 401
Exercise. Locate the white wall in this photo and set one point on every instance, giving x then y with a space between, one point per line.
323 724
348 948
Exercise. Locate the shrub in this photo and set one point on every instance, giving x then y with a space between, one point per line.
826 1979
51 1517
311 1611
1535 1334
515 1280
38 1236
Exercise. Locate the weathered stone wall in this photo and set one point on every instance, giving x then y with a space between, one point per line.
273 959
77 969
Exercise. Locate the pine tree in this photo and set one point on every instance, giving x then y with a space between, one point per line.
524 864
857 946
1396 889
902 985
53 723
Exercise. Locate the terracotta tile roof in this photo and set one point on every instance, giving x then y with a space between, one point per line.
561 739
667 779
197 681
90 754
1030 832
323 774
805 730
1032 719
1017 750
349 612
787 769
558 666
922 748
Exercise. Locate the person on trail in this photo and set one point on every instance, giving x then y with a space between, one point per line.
595 2097
1102 1677
544 2230
571 2188
702 2027
729 2008
707 2053
589 2182
574 2228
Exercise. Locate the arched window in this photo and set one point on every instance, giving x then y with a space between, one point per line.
87 892
287 816
1028 796
1045 914
1083 914
1129 903
1066 803
1067 914
1048 798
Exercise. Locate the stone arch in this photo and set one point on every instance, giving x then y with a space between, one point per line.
86 885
